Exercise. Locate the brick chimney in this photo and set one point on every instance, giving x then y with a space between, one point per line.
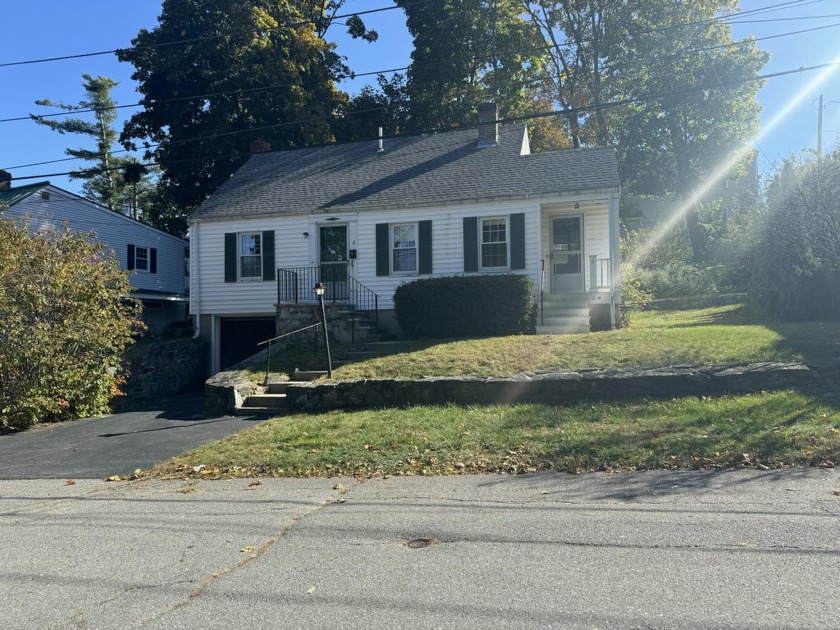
5 180
260 146
488 125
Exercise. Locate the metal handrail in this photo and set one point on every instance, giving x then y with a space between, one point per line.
295 285
542 292
273 339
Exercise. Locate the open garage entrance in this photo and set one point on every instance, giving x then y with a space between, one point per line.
238 338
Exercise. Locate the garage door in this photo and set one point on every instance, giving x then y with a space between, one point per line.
238 338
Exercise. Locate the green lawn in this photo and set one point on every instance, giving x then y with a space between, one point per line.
720 335
766 429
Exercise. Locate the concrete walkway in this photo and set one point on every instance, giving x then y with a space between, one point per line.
742 549
114 445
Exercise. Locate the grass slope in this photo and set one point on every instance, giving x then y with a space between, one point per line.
766 430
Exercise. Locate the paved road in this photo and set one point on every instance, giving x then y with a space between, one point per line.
114 445
660 550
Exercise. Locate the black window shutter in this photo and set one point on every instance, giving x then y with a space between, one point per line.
130 258
153 260
230 257
470 244
268 254
517 241
383 246
425 246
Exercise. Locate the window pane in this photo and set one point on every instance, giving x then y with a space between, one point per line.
404 236
251 267
405 260
250 245
141 259
404 253
494 255
494 243
250 259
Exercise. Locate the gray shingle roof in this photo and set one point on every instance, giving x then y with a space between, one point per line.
432 170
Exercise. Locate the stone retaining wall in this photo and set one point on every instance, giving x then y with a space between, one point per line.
162 367
557 387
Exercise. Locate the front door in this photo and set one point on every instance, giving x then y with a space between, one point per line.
566 254
332 270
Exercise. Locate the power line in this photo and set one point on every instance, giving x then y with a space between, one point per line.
779 6
198 39
743 42
510 119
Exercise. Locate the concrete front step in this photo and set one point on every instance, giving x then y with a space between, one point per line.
562 330
307 375
565 321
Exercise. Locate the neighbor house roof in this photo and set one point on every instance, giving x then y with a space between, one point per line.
417 171
11 196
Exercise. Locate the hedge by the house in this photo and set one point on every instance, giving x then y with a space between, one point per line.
466 306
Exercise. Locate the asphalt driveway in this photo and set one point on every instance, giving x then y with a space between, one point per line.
116 444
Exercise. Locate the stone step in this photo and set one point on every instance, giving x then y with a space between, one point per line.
258 411
278 388
266 400
307 375
565 310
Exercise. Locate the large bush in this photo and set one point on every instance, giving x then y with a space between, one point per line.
796 269
63 325
466 306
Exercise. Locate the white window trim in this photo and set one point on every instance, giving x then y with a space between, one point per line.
239 255
137 258
391 247
481 243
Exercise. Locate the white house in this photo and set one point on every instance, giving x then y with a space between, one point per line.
364 217
156 259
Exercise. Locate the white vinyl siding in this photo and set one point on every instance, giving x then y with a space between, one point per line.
296 246
117 231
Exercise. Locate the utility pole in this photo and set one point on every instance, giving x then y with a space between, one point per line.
819 128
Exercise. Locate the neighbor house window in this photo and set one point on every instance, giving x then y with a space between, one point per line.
404 248
141 258
494 243
250 255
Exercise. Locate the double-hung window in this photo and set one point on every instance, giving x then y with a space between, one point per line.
141 258
250 255
494 243
404 248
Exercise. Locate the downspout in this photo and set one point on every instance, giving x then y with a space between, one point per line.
194 280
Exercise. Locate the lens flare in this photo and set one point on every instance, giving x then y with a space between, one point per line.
732 160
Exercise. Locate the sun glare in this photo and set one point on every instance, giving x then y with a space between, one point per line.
733 158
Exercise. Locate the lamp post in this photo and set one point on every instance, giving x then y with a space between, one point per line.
319 291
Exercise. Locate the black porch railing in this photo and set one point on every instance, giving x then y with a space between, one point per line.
295 285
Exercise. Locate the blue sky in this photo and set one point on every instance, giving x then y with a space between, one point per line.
38 29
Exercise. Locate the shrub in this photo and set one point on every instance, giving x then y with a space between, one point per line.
63 325
466 306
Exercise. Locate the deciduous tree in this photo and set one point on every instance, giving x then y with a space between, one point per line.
216 75
63 325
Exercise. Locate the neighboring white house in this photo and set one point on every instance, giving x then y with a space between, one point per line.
364 217
156 259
